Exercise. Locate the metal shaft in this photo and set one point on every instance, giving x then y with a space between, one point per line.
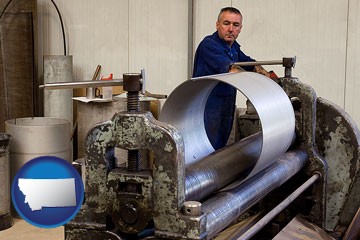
273 62
273 213
227 206
222 167
82 84
287 62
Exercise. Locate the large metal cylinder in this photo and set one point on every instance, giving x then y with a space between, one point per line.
39 136
5 216
185 106
58 103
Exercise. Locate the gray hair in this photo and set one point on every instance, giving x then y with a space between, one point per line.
229 9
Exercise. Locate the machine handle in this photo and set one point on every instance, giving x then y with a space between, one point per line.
285 62
82 84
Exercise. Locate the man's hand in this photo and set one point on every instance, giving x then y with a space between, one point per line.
258 69
261 70
271 74
236 69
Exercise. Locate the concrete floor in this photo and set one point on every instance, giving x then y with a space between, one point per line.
25 231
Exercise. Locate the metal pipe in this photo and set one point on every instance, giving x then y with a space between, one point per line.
226 206
222 167
82 84
274 212
271 62
287 62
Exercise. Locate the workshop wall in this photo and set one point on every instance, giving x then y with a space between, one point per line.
122 36
127 35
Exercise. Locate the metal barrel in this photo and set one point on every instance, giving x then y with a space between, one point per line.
35 137
38 136
227 205
5 216
222 167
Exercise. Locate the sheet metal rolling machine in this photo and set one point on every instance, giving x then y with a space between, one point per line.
298 156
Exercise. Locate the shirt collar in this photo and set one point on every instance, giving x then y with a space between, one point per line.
216 36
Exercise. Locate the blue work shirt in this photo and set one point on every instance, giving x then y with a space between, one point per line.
214 56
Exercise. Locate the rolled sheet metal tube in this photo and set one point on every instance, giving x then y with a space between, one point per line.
222 167
58 104
185 106
226 206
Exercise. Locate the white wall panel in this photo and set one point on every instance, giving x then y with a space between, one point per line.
352 100
95 33
121 36
158 42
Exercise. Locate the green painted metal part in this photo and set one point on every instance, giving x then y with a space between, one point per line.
304 98
332 140
338 141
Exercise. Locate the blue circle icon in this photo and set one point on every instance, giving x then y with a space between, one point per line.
47 192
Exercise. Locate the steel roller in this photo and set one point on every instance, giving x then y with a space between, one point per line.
227 206
211 174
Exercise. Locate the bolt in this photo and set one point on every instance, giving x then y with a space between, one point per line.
289 64
133 85
131 82
129 214
133 161
192 208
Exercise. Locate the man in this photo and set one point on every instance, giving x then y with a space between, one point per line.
214 55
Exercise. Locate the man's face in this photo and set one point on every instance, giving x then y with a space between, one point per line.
229 26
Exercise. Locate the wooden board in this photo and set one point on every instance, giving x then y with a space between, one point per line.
301 229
